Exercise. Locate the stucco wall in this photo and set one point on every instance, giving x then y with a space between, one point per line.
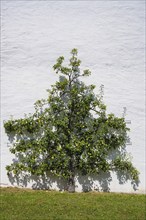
110 38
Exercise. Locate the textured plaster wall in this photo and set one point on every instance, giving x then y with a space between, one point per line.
110 38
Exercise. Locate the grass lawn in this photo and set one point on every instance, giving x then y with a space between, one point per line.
25 204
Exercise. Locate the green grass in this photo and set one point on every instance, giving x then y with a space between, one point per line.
24 204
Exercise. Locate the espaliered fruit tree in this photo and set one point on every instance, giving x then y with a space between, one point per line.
69 132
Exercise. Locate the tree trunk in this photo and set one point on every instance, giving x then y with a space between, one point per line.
71 184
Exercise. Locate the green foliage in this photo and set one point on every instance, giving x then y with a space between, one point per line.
70 131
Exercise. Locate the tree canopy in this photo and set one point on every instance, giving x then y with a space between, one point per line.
69 131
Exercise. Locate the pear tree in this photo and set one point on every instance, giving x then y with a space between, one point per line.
69 132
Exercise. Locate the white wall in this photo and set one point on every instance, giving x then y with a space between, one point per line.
110 38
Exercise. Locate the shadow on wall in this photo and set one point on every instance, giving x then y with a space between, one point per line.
99 183
45 182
